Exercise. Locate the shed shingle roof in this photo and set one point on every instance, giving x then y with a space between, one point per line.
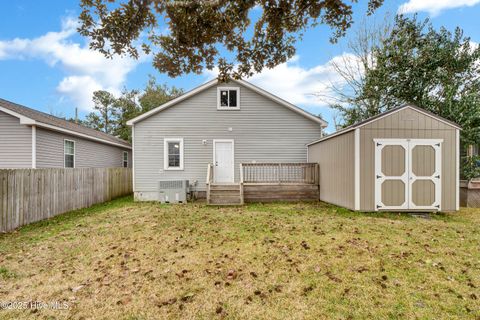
383 114
44 118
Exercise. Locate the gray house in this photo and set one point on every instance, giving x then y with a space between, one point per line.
33 139
220 124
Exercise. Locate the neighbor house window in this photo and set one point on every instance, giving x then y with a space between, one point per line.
173 154
228 98
69 153
125 159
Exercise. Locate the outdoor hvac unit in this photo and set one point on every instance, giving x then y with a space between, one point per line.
173 191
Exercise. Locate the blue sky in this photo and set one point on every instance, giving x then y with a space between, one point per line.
46 65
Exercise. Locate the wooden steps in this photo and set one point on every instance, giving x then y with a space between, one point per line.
225 194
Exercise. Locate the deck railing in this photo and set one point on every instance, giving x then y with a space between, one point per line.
279 173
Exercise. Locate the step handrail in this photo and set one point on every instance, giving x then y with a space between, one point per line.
209 180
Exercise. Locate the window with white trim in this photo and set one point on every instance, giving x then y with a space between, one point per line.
125 159
69 153
173 153
228 98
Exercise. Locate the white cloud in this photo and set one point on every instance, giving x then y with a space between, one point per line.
302 86
86 70
434 7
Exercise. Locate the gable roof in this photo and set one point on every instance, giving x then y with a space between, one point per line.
244 83
384 114
30 116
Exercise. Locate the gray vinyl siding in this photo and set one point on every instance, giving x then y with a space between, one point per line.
337 169
262 130
88 153
15 143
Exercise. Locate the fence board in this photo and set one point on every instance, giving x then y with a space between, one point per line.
29 195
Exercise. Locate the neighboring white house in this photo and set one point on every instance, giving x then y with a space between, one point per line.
220 123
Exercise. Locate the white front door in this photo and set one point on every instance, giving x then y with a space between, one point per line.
407 174
223 161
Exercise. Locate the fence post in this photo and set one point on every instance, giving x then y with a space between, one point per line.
279 173
29 195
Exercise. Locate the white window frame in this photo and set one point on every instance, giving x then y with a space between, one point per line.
219 106
64 152
123 159
165 153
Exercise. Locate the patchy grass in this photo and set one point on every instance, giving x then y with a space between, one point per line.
126 260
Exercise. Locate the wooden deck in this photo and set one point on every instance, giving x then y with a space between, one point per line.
266 182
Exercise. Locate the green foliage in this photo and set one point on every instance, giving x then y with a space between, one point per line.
127 108
106 114
198 29
111 114
470 167
6 274
434 69
155 95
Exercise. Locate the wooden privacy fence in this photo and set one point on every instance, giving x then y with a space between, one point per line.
302 173
29 195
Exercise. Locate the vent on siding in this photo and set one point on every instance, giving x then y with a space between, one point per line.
173 184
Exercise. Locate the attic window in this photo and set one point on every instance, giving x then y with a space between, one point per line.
228 98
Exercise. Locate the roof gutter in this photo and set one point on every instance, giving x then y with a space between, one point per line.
81 135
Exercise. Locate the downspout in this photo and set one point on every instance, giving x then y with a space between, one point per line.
34 146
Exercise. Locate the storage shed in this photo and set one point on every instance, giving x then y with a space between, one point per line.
406 159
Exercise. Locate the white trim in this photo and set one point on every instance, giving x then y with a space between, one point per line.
357 169
282 102
133 157
23 119
165 154
74 152
436 144
34 147
408 177
236 89
123 159
387 113
173 102
457 170
77 134
233 156
380 178
29 121
242 82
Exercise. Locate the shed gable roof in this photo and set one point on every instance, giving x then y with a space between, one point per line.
241 82
385 114
30 116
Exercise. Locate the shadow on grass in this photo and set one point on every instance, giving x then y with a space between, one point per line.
312 208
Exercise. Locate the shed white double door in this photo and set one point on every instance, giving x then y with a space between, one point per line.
408 174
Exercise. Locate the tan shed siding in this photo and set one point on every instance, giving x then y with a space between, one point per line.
407 124
15 143
263 132
88 154
337 169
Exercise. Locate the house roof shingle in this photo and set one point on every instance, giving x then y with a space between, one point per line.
42 118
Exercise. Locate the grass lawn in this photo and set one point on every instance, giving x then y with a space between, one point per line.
126 260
